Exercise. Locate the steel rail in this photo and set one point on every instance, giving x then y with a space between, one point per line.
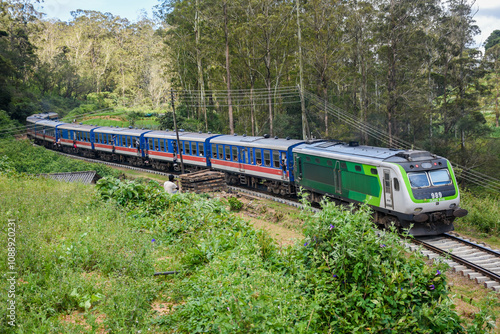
468 264
472 244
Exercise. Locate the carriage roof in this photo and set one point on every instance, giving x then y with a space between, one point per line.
258 142
193 136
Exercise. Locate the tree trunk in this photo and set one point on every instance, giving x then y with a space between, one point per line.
201 82
305 131
229 102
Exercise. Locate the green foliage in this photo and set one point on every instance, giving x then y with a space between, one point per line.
492 40
26 158
484 213
363 281
342 278
85 301
7 126
132 117
235 204
143 199
74 253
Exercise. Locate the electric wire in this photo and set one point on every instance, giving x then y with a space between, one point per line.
477 178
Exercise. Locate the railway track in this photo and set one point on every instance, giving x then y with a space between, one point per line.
465 257
474 261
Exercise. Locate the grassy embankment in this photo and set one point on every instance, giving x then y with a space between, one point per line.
84 263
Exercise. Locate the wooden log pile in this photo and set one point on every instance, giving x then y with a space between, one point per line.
203 181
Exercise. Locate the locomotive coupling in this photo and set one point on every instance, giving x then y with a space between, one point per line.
421 218
460 212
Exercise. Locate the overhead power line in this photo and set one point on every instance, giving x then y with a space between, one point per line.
474 177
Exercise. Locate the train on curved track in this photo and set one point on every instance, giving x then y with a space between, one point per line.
414 190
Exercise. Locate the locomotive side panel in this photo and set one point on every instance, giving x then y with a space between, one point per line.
342 179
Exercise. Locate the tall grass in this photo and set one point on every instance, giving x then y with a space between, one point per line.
484 213
74 254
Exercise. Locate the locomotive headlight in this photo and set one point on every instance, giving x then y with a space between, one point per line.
452 205
418 209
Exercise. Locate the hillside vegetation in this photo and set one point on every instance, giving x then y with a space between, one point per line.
86 257
235 67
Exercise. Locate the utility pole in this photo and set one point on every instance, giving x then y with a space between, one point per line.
179 148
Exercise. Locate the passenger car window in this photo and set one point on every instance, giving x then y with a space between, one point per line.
276 159
258 157
235 153
214 150
267 158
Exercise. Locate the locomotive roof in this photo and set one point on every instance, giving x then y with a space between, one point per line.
340 148
336 149
260 142
195 136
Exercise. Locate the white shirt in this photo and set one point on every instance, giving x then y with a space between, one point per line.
170 187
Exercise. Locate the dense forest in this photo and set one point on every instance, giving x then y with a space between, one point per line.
404 67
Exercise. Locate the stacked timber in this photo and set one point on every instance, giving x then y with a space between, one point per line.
203 181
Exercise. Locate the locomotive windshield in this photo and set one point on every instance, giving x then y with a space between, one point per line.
419 180
440 177
431 178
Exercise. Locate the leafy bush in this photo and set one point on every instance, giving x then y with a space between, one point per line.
362 281
234 204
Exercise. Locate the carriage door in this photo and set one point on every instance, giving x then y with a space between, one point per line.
337 176
388 189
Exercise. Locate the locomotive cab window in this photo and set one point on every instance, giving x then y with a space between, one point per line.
440 177
418 180
396 184
357 168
